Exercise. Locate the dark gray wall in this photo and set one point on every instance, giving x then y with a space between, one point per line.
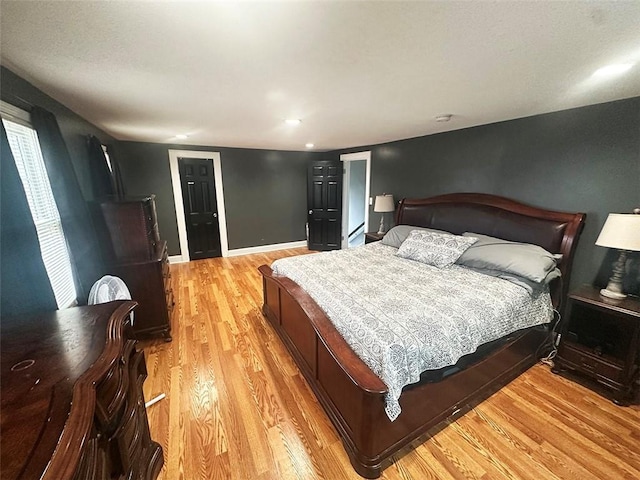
584 160
17 91
265 191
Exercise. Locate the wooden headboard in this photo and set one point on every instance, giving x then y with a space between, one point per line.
557 232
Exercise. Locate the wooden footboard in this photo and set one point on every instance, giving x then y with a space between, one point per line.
353 396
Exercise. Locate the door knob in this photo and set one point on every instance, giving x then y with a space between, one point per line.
310 212
215 215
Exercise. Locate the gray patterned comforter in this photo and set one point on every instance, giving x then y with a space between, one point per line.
403 317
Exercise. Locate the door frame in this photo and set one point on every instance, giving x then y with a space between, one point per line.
179 204
351 157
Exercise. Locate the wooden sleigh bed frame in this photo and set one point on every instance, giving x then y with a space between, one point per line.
354 397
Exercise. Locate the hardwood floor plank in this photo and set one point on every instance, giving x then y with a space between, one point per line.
422 465
494 439
177 437
282 465
220 469
590 426
439 446
296 451
542 453
572 442
484 444
237 407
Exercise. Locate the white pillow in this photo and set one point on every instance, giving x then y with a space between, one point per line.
434 248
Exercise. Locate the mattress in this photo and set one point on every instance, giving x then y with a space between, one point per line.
403 317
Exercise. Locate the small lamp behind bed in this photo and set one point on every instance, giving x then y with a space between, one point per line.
384 203
620 231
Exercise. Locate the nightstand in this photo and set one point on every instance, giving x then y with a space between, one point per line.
599 341
373 237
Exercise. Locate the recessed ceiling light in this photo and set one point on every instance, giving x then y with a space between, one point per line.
444 118
182 136
293 121
615 69
309 145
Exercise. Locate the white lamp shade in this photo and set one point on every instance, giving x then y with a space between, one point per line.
384 203
621 231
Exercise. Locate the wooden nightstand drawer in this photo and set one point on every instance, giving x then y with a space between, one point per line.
592 365
600 339
373 237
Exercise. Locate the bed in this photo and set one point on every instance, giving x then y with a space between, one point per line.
355 398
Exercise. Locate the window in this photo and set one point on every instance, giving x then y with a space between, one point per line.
107 158
25 147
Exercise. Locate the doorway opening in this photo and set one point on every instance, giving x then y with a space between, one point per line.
355 198
178 197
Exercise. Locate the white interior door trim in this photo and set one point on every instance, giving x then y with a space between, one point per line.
350 157
179 204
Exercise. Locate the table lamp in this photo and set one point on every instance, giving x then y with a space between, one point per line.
620 231
384 203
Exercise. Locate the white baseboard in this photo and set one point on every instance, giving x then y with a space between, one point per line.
176 259
249 250
266 248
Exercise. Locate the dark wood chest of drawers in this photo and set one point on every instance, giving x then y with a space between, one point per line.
72 401
149 282
132 224
138 256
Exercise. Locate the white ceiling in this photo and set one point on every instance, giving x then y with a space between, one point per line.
355 73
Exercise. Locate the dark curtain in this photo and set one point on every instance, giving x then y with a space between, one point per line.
101 179
24 283
74 212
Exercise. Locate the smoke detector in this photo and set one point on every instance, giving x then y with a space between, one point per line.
444 118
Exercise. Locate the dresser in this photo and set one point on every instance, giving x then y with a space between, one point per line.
149 282
132 224
72 406
138 256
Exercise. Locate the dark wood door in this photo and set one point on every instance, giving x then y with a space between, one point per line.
200 207
324 203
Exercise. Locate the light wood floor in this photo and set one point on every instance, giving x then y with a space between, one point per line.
237 408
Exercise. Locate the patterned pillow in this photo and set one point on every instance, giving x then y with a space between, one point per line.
399 234
434 248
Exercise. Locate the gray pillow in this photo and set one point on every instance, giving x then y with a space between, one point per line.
522 259
528 285
399 234
434 248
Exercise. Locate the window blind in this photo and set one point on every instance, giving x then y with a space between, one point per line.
25 147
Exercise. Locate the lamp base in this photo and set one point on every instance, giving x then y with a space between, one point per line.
609 294
381 230
614 287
